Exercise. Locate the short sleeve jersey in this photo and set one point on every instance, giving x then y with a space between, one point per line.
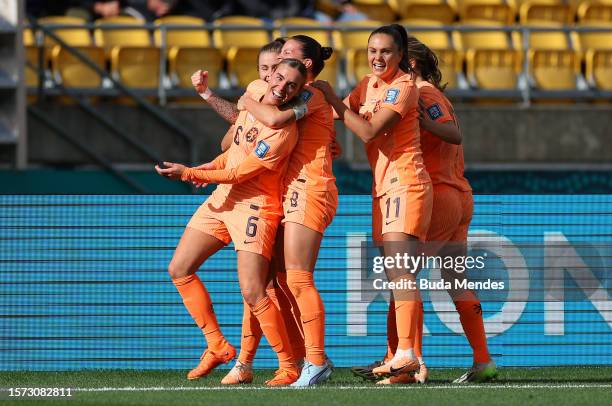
273 148
395 156
444 161
310 166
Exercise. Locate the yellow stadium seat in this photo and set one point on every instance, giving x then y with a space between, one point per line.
493 69
434 10
184 61
136 66
356 65
242 65
72 72
181 38
380 10
554 40
481 10
599 68
28 37
75 37
322 36
330 71
595 12
464 41
107 37
536 11
358 37
554 69
31 66
449 63
225 38
438 39
584 41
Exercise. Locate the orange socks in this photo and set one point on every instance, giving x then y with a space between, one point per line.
391 332
273 327
418 338
198 303
470 315
301 283
251 335
291 315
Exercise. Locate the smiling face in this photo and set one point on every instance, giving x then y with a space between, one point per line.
266 63
384 56
285 83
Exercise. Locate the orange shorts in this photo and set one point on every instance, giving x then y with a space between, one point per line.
240 222
451 215
404 209
313 209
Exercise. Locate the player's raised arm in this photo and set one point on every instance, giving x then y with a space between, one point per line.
224 108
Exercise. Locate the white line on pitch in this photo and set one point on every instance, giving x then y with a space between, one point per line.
378 387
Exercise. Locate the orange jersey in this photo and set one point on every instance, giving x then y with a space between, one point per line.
395 156
444 161
310 166
273 149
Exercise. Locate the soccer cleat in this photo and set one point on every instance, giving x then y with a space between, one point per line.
365 372
240 373
210 360
284 377
479 373
313 374
397 366
419 376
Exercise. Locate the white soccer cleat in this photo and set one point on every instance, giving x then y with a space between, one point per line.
312 374
239 374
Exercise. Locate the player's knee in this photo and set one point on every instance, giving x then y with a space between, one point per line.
252 295
299 281
177 271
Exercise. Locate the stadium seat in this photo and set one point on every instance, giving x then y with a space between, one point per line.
595 12
181 38
322 36
380 10
107 37
584 41
599 68
136 67
225 38
438 39
532 12
356 65
553 40
449 63
486 10
434 10
242 65
357 39
74 37
493 69
184 61
72 72
464 41
554 69
28 37
330 71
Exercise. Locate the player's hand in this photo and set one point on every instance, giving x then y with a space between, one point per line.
240 103
207 167
199 80
171 170
325 87
335 149
424 119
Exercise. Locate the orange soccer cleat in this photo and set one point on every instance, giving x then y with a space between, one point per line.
284 377
240 373
397 366
420 376
210 360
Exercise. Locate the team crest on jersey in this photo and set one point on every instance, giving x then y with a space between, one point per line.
391 96
261 149
305 95
434 111
252 134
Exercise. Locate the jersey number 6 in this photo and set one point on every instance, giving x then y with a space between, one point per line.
251 228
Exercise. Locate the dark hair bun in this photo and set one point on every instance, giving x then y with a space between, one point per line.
326 53
280 40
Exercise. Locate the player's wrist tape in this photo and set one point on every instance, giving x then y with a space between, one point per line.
300 111
207 93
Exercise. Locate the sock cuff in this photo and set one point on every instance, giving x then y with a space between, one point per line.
300 277
261 306
185 280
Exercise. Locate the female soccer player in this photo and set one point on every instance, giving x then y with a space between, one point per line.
245 209
382 112
310 199
453 206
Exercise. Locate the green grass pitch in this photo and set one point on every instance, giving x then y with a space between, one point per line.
514 386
